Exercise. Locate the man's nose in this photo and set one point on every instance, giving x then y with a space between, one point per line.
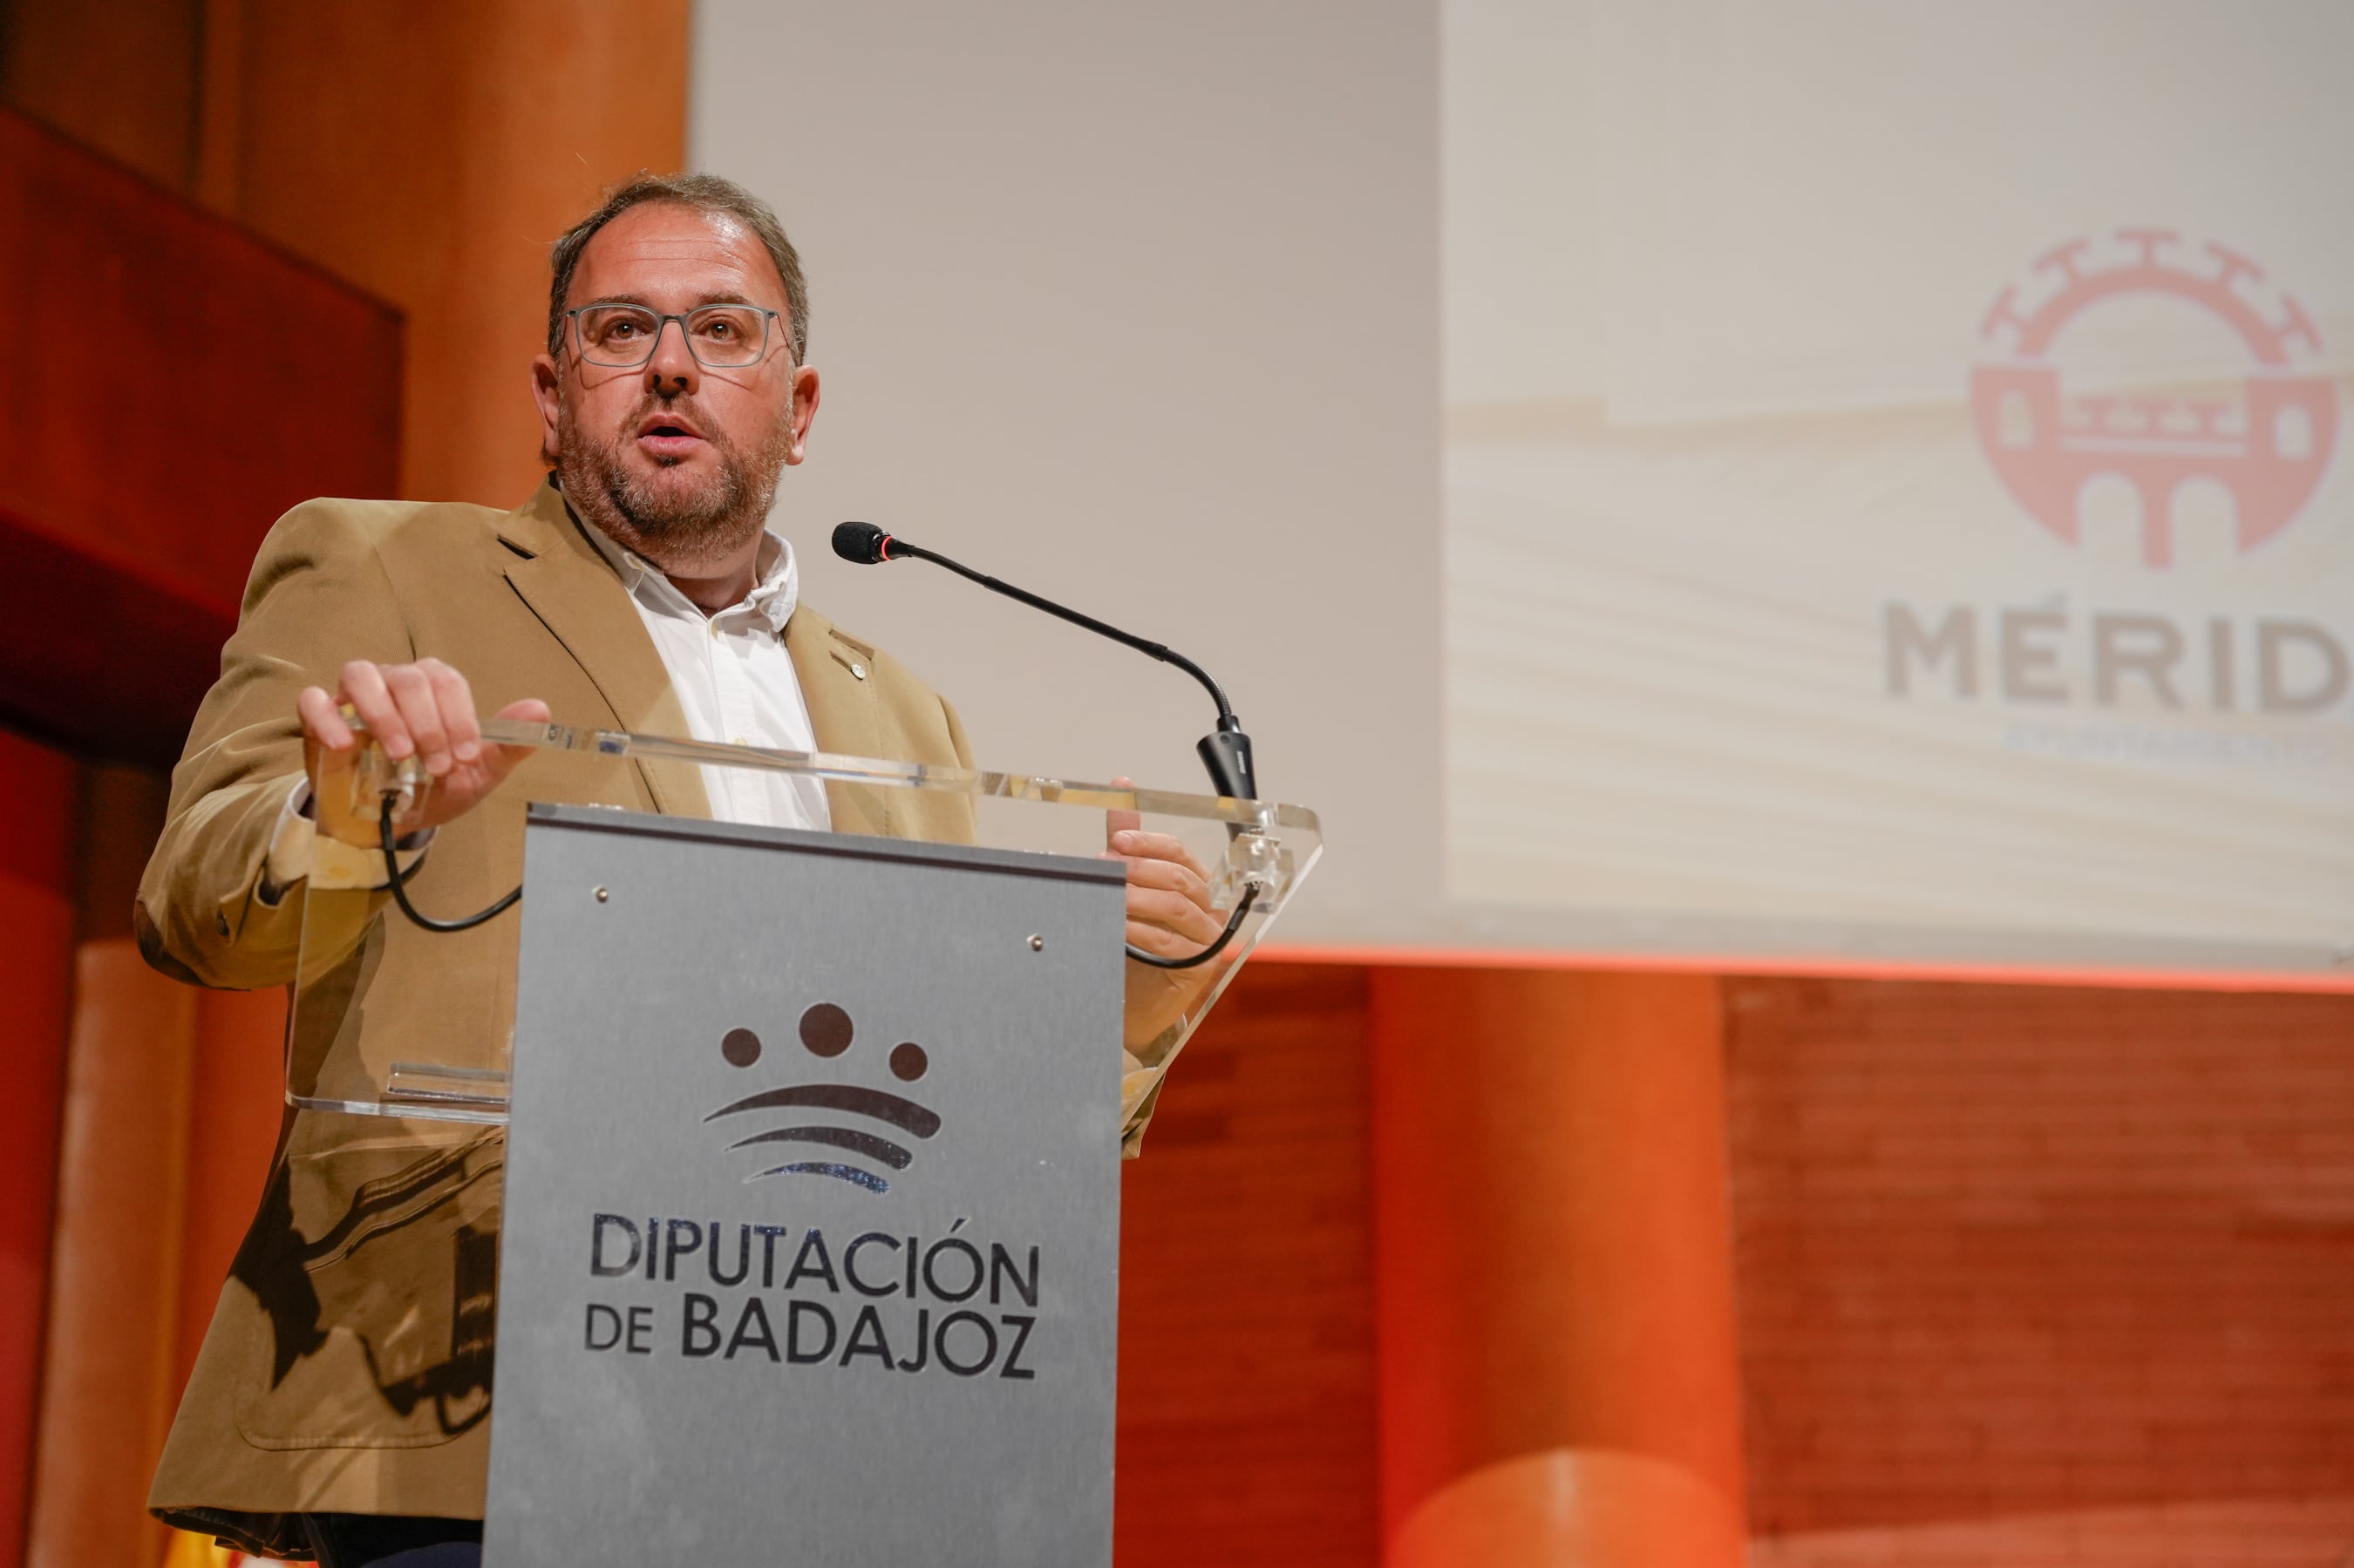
672 368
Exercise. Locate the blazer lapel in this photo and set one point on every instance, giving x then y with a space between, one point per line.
835 675
573 590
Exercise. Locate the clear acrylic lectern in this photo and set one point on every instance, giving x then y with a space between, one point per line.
452 1065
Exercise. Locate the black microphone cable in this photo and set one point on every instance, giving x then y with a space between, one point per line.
398 880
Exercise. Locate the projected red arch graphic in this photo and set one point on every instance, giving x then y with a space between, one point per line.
2269 446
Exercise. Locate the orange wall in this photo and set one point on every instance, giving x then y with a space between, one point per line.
2024 1275
430 153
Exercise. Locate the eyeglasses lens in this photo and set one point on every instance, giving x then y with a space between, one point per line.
716 335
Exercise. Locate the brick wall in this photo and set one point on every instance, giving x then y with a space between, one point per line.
2034 1275
1247 1357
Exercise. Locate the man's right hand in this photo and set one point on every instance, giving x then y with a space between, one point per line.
425 710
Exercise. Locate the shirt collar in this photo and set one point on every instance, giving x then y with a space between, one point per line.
772 598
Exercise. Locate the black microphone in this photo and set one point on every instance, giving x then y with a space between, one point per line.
1226 752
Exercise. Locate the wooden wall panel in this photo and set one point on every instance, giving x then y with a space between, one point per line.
186 385
119 76
1247 1357
36 937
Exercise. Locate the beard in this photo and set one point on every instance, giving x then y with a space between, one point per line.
671 519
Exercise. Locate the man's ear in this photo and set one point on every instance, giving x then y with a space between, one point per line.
804 385
547 395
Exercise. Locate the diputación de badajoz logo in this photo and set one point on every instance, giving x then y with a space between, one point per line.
960 1303
2268 442
826 1032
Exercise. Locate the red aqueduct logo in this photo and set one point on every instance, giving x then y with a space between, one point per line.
2269 446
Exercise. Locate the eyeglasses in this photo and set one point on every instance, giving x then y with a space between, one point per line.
719 336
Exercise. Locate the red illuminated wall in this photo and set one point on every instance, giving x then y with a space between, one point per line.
2035 1275
36 937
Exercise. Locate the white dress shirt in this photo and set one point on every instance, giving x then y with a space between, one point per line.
735 681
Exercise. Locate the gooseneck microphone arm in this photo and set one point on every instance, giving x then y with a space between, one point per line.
1226 752
1161 651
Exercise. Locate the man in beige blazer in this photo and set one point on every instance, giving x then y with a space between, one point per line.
337 1408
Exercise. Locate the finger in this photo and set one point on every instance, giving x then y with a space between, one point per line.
1172 915
413 691
1138 844
1161 942
503 760
322 720
1169 877
1118 823
454 701
363 687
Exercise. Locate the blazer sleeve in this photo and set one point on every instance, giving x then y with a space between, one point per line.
318 596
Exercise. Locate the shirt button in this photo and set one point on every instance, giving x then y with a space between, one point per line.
859 671
716 632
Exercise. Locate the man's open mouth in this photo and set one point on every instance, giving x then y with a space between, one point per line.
668 438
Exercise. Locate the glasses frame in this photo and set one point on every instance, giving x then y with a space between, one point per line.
661 325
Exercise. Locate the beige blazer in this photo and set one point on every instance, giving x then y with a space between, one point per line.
347 1367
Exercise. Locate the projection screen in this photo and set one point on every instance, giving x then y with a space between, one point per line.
1798 484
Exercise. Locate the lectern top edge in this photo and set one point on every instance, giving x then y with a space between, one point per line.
695 830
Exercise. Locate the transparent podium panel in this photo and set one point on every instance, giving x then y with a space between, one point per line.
394 1020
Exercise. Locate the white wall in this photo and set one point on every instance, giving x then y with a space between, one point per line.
1136 306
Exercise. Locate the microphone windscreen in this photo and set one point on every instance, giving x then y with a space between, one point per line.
860 542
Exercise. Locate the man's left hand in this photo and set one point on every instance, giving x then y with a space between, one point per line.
1169 915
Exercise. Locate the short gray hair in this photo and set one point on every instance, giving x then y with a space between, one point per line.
704 193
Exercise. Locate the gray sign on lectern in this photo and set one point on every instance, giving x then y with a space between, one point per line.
812 1240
